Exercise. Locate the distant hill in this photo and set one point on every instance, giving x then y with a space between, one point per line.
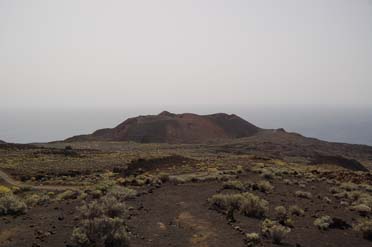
2 142
167 127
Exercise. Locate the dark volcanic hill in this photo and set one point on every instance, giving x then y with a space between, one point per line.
174 128
2 142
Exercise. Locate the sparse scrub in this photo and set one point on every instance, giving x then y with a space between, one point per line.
302 185
239 169
296 210
274 231
336 190
252 239
366 187
164 177
341 195
105 185
365 227
11 204
323 223
253 206
247 203
355 195
225 201
362 209
96 193
327 200
365 199
280 213
102 224
349 186
267 174
122 193
303 194
287 181
263 186
4 189
66 195
36 199
233 185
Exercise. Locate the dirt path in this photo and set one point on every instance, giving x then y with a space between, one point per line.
10 181
178 216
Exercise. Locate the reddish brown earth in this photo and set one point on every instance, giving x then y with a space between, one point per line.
175 128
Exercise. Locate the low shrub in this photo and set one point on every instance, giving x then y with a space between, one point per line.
164 177
247 203
105 185
11 205
122 193
280 213
36 199
4 189
102 224
335 190
252 239
302 185
66 195
327 200
287 181
362 209
267 174
263 186
365 227
323 223
253 206
233 185
303 194
296 210
274 231
349 186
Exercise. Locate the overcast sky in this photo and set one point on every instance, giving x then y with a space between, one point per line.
90 53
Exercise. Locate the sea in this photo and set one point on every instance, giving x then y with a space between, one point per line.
330 123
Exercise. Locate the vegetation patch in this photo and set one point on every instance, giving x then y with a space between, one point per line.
11 205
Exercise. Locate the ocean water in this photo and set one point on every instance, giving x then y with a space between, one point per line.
338 124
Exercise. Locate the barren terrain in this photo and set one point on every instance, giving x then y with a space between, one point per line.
256 191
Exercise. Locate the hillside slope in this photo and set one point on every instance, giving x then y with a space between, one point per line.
167 127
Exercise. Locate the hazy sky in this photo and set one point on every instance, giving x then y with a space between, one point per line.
89 53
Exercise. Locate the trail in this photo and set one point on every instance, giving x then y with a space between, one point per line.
10 181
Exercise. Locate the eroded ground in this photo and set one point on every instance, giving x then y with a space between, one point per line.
169 194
